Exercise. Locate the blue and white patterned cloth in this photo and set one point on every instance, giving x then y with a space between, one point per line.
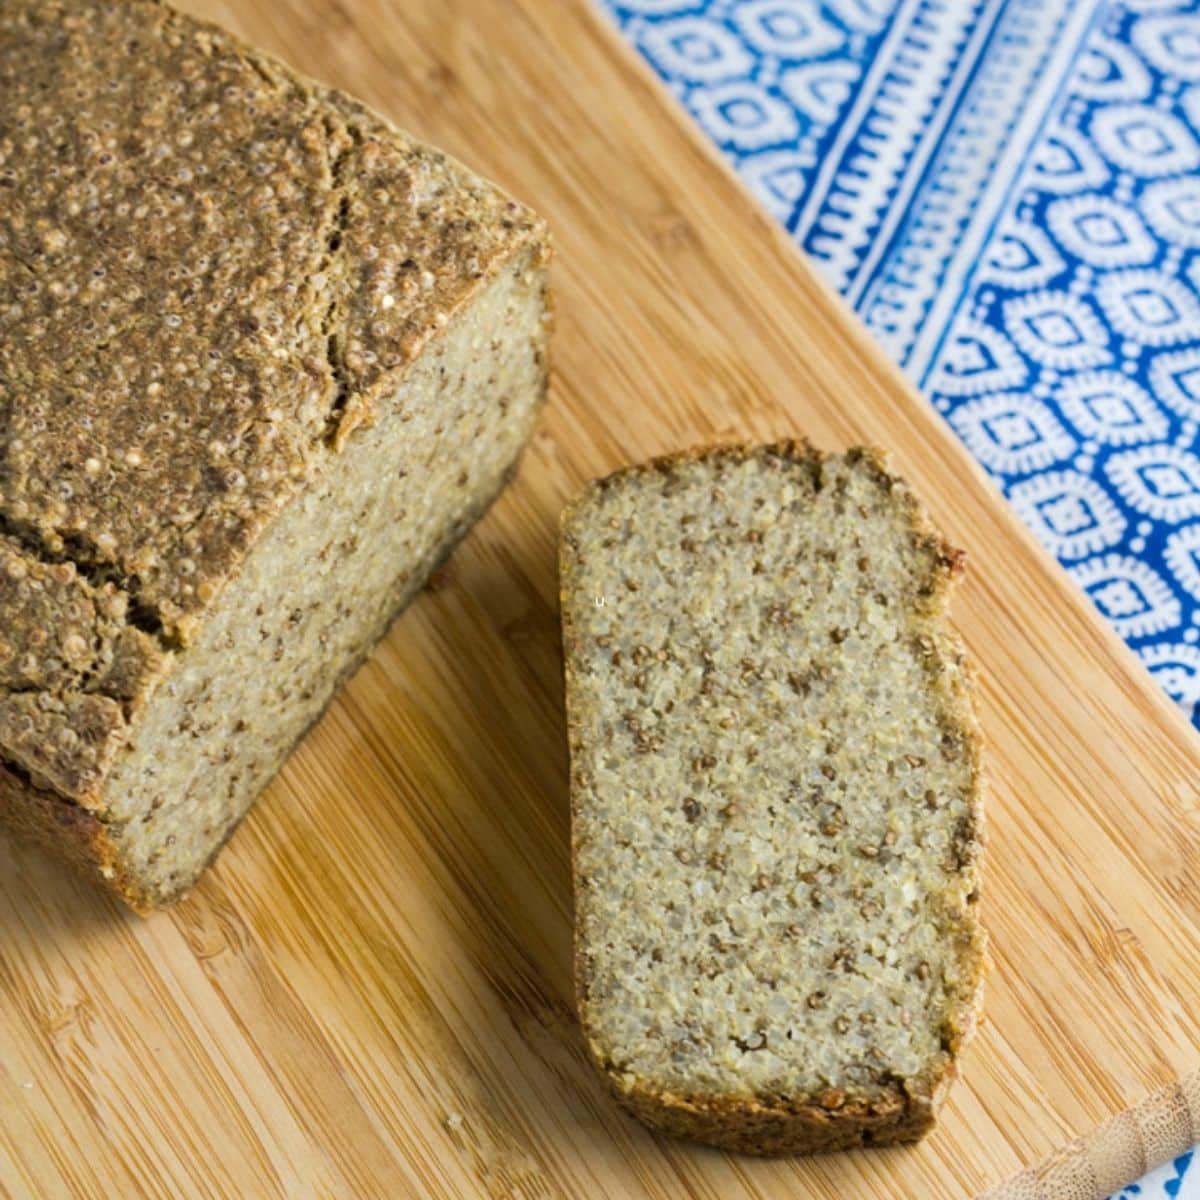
1008 193
1175 1181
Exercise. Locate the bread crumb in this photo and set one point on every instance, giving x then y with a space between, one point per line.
812 911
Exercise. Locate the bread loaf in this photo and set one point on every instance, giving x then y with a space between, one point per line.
264 359
775 788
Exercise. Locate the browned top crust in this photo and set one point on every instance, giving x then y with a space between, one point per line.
209 268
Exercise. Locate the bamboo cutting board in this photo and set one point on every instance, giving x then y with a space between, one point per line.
370 995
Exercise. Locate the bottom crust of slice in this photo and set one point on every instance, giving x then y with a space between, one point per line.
750 1126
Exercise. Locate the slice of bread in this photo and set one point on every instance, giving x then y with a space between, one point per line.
776 798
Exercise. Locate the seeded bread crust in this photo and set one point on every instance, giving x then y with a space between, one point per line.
900 1109
213 274
71 833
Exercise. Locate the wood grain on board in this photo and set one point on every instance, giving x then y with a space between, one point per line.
370 995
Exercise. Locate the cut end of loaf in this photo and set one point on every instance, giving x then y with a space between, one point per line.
324 583
776 798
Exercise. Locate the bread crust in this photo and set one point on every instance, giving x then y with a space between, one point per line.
333 248
773 1125
69 831
773 1128
329 252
